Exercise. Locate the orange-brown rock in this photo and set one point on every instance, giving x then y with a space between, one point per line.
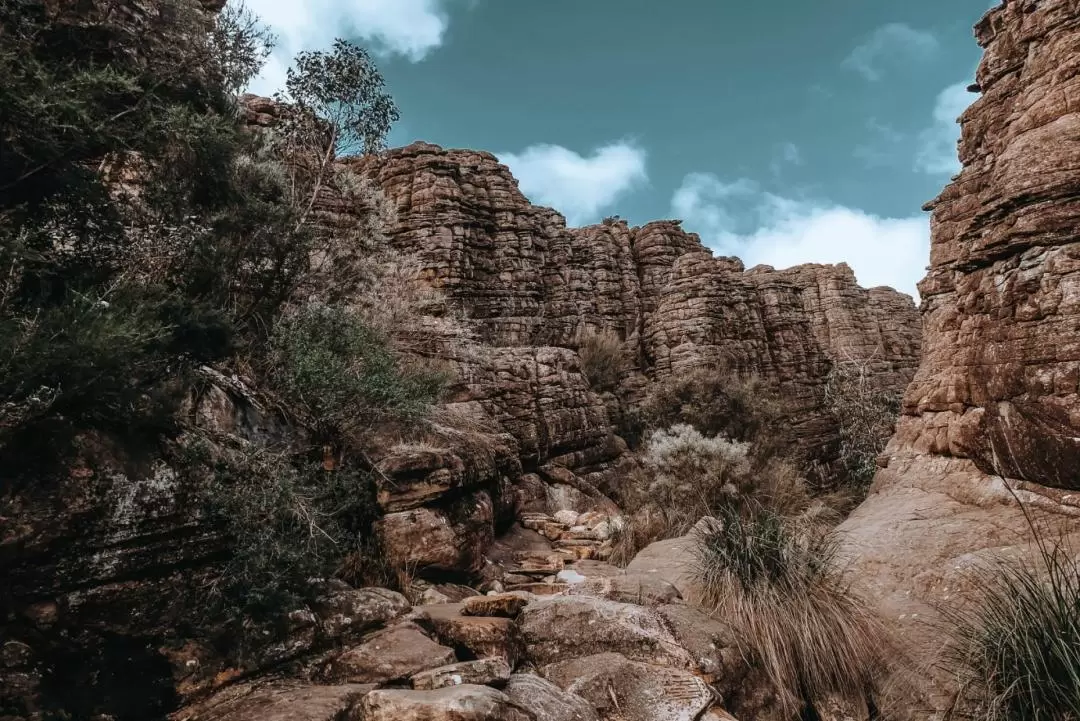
1000 381
993 414
525 282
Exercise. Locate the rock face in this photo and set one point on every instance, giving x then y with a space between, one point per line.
999 381
108 553
996 395
526 281
528 287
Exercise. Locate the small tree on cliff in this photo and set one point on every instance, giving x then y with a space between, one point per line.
338 106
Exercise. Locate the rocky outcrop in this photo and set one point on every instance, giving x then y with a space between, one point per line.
523 279
995 403
109 552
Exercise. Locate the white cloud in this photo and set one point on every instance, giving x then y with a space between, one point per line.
937 144
890 44
411 28
737 219
579 187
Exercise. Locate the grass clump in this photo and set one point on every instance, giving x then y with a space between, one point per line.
1016 651
779 587
601 358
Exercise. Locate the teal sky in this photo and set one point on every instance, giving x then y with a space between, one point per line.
783 131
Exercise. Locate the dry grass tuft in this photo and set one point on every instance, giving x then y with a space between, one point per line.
602 359
778 586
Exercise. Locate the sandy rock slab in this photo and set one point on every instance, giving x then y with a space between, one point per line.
624 690
278 701
392 654
457 703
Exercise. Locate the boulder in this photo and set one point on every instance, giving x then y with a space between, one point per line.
507 605
349 612
482 672
565 627
388 655
624 690
455 703
277 701
478 636
546 701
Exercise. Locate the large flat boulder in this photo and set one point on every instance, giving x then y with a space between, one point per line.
389 655
564 627
624 690
456 703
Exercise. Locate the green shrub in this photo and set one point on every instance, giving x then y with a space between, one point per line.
716 401
287 520
688 476
866 417
1016 650
340 376
779 588
601 358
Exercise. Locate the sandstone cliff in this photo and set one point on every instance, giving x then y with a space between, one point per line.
103 560
996 395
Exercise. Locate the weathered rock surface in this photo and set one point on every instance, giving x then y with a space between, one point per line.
392 654
996 395
457 703
475 636
563 627
278 701
525 280
546 701
624 690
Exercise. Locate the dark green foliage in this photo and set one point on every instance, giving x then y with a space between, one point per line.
289 521
866 416
716 401
1016 650
341 376
344 89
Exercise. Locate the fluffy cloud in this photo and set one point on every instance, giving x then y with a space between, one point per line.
895 42
411 28
937 144
577 186
738 219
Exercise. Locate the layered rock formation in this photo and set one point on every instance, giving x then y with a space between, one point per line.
995 400
523 279
109 554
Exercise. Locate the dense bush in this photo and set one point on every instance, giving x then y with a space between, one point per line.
716 401
687 475
142 228
778 586
341 376
146 230
601 358
1016 649
288 520
866 416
